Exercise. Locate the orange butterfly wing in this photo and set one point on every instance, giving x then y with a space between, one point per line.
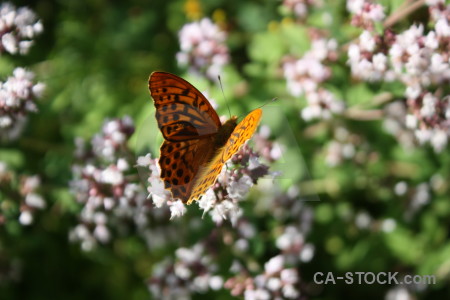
188 123
182 112
180 163
243 131
190 127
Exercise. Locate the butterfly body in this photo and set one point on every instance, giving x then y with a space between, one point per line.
196 145
224 132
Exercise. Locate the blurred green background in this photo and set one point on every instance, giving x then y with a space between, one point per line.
95 58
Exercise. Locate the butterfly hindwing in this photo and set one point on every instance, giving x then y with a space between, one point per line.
182 112
180 163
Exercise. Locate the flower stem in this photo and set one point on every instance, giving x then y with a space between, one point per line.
402 12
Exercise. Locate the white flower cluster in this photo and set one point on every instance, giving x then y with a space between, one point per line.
366 62
17 28
113 137
415 59
238 175
365 13
28 198
418 60
227 208
437 8
277 282
429 118
32 201
101 183
421 62
304 76
17 98
156 190
192 271
222 199
292 244
203 48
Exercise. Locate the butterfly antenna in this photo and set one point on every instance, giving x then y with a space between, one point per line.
270 101
220 82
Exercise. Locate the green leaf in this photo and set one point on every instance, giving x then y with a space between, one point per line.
266 47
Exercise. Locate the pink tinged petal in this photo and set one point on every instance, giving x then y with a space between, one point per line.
177 209
274 265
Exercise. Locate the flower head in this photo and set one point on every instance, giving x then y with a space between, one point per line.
17 98
18 26
103 183
203 48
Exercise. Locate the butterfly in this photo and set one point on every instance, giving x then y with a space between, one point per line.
196 144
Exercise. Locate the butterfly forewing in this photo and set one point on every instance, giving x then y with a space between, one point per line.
182 112
208 175
243 132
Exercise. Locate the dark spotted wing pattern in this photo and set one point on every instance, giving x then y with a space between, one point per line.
180 163
182 112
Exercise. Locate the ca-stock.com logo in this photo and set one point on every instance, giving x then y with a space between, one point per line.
382 278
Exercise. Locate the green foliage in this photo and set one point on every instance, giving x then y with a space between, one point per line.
95 58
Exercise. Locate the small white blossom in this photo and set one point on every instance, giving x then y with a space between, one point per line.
122 164
411 121
423 135
216 282
111 175
442 27
355 6
291 236
258 294
428 106
363 220
35 200
290 292
367 41
144 161
238 189
274 265
307 253
177 209
439 140
388 225
401 188
26 218
399 293
101 232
